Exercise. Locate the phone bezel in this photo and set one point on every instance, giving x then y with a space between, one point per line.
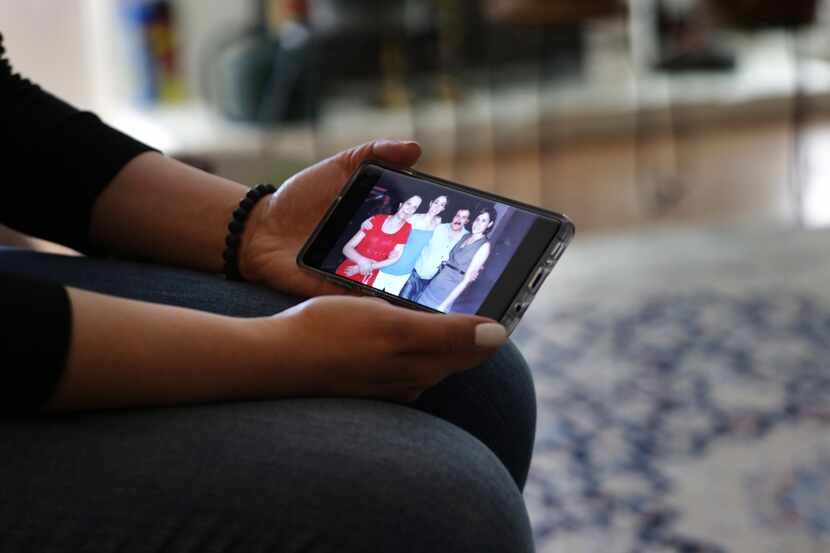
517 302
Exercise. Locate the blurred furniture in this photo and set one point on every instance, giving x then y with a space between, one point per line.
792 16
550 12
763 14
290 62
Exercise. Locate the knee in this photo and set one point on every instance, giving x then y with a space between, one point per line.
448 494
510 388
496 403
515 379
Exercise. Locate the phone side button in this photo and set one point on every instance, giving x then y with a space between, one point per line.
537 279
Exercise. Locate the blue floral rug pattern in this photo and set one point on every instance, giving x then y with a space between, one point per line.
681 418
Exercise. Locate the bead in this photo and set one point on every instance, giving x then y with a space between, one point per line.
237 224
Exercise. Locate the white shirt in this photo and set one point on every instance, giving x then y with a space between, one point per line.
437 250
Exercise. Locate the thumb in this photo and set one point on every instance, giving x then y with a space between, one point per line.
396 152
448 334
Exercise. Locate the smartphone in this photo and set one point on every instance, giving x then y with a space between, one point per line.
426 243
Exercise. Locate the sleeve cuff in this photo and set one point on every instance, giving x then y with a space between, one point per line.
35 344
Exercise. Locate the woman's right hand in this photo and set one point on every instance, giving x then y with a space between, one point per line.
366 347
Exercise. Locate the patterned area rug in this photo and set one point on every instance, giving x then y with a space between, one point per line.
683 381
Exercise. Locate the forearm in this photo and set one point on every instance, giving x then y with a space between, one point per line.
125 353
391 260
163 210
459 288
469 275
352 255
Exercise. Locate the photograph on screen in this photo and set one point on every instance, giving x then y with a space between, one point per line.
439 247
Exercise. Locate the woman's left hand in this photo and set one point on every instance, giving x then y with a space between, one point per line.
280 225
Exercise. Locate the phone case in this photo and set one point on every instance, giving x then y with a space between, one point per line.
518 306
537 276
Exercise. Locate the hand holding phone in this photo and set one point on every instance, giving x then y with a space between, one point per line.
436 245
280 225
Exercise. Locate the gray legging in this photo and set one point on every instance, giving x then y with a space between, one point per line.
290 475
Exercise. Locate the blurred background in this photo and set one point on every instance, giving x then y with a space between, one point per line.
681 350
618 113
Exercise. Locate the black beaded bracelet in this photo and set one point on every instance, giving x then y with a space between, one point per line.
237 226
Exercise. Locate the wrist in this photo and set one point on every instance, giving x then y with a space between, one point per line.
280 358
241 229
246 261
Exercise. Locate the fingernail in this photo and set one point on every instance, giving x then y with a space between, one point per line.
490 335
384 142
394 142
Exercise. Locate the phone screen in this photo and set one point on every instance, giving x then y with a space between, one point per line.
436 244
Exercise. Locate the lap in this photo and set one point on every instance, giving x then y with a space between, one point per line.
290 475
494 402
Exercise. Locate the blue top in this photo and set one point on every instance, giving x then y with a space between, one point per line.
418 239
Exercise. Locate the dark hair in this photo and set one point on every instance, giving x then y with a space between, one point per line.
493 216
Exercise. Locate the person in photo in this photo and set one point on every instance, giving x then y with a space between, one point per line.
392 278
463 265
370 250
435 253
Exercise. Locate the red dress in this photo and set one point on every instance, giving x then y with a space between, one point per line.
376 245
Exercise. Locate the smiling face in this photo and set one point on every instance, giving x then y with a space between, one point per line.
437 205
481 223
409 207
462 217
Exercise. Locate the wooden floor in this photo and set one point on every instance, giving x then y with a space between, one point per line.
697 176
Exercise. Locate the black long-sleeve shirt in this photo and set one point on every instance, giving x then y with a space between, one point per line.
54 162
